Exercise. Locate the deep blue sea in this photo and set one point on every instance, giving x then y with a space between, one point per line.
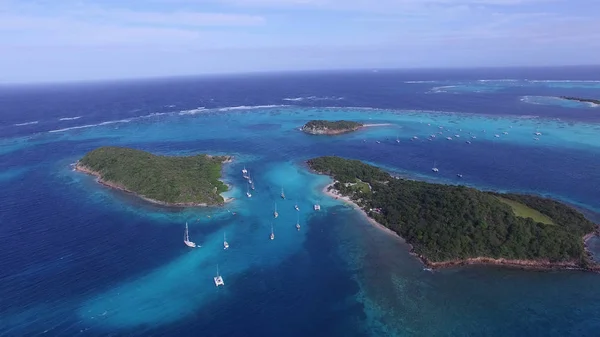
78 259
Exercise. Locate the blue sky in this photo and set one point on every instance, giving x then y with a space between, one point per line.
62 40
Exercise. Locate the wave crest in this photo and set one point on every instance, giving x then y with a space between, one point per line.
26 123
69 118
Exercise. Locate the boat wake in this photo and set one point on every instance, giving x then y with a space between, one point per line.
69 118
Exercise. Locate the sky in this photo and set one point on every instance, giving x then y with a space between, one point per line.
74 40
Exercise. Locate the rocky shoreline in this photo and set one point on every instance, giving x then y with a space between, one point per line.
82 168
522 264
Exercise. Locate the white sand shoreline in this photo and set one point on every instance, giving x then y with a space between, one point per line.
335 194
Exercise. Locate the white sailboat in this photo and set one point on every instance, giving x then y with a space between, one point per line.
275 214
435 169
218 279
186 238
296 207
282 194
249 179
244 171
272 236
248 192
225 243
397 139
252 185
298 222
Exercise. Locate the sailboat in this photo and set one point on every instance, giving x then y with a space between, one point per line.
296 207
186 238
298 222
272 236
248 192
397 139
434 169
275 214
282 194
218 279
249 180
244 171
252 185
225 243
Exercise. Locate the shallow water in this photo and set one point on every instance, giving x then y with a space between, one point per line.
100 262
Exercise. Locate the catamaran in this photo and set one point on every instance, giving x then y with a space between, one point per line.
218 279
282 194
186 238
272 236
225 243
298 222
248 192
275 214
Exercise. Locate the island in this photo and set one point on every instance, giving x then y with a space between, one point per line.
583 100
448 225
323 127
166 180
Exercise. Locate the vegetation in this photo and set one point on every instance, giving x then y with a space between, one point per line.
584 100
166 179
446 223
330 127
524 211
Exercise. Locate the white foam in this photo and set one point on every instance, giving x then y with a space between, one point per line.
69 118
26 123
192 111
251 107
564 81
442 88
313 98
414 82
92 125
500 80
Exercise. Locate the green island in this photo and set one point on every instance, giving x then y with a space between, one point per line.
166 180
322 127
583 100
450 225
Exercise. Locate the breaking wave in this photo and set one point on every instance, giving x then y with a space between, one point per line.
69 118
313 98
26 123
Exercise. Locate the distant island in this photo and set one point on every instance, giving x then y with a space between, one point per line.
583 100
165 180
322 127
454 225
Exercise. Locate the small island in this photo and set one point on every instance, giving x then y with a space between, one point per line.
166 180
582 100
450 225
322 127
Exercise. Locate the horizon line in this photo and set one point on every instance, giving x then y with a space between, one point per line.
285 72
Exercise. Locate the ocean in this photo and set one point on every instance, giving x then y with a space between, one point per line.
77 258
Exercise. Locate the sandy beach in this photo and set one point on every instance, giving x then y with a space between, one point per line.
333 193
